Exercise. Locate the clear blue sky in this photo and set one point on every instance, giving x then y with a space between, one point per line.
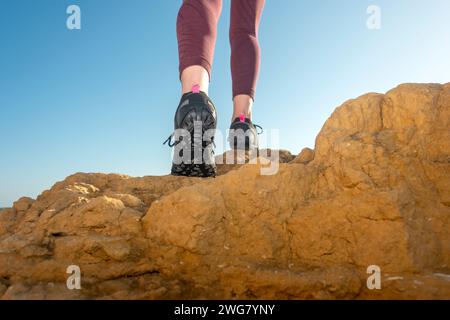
101 99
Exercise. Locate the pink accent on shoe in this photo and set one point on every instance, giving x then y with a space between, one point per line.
242 118
196 88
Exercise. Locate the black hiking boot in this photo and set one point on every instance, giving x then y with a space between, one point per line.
243 134
193 139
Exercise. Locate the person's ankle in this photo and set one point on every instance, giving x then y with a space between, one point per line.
194 76
242 105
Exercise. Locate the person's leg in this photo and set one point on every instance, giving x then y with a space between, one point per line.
196 33
195 119
245 53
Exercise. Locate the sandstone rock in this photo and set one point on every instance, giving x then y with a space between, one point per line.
305 156
7 217
232 160
374 191
23 204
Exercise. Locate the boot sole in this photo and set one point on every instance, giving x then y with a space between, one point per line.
197 169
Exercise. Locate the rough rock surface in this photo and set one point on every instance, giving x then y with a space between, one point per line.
375 191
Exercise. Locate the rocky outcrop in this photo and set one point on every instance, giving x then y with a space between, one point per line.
374 191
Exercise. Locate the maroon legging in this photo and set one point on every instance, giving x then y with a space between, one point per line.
197 30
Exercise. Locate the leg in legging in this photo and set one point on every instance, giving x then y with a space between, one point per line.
196 32
245 53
